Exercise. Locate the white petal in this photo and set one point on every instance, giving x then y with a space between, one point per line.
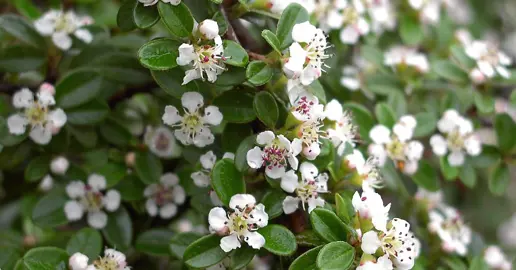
265 137
294 66
310 74
228 155
456 158
403 132
23 98
97 220
315 202
349 35
73 210
296 146
75 189
58 118
44 26
350 83
308 170
486 68
333 110
411 167
179 195
171 115
254 158
167 211
186 54
289 181
414 150
17 124
241 201
47 183
169 179
303 32
200 179
40 134
84 35
212 115
259 216
78 261
229 243
473 146
254 239
312 152
190 75
59 165
192 101
290 204
151 207
112 200
370 242
503 72
378 151
275 172
62 40
380 134
439 145
97 181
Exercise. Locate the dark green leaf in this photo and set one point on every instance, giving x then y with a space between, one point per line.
426 123
279 240
273 202
336 256
344 207
478 263
49 211
27 9
43 258
21 29
171 81
235 54
384 114
499 179
307 260
154 242
88 114
504 126
327 225
484 103
145 17
236 106
204 252
266 108
241 257
291 16
115 133
87 241
77 88
233 135
468 175
487 158
20 58
179 242
271 38
119 229
258 73
227 180
241 153
113 172
449 172
177 19
159 54
130 188
125 17
37 168
148 167
426 177
449 71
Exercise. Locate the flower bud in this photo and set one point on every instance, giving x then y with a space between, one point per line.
59 165
209 29
130 159
47 183
78 261
47 88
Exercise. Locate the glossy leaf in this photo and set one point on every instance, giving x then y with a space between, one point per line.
159 54
278 240
227 180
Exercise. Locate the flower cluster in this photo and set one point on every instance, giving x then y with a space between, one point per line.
240 223
161 142
164 197
112 260
90 198
60 25
489 61
398 146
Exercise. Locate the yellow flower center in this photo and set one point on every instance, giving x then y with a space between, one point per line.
37 114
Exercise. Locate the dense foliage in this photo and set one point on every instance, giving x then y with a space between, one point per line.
257 134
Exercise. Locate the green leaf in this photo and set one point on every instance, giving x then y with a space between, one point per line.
487 158
148 167
241 153
145 17
119 229
121 67
272 39
231 77
130 188
499 179
233 135
266 108
159 54
113 172
426 123
177 19
426 177
344 208
88 114
20 58
468 175
397 101
27 9
115 133
458 54
307 260
87 241
327 225
171 81
478 263
236 106
484 103
309 238
291 16
273 202
77 88
336 256
372 54
37 168
411 31
43 258
154 242
204 252
179 242
258 73
384 114
449 71
227 180
235 54
279 240
504 126
19 28
49 210
241 257
125 17
8 258
449 172
512 98
317 90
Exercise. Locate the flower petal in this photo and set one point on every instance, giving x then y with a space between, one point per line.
17 124
254 239
241 201
169 179
97 220
370 242
200 179
112 200
62 40
303 32
212 115
151 207
265 137
58 118
41 134
97 182
23 98
229 243
192 101
171 115
254 158
73 210
168 210
289 181
179 195
84 35
275 172
290 204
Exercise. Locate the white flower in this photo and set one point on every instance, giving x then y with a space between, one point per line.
383 263
307 190
202 178
59 165
367 170
60 25
209 29
382 14
153 2
193 126
277 6
205 59
161 142
369 206
240 224
496 259
112 260
463 36
400 55
458 10
43 121
164 197
490 61
428 10
350 78
507 232
432 199
90 198
397 242
398 146
305 107
447 223
344 131
47 183
277 153
459 138
352 17
310 132
307 55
